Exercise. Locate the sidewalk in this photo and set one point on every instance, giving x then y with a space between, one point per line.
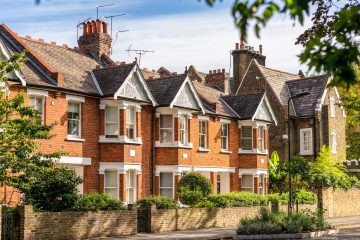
211 234
345 222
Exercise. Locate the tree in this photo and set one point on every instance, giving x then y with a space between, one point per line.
20 129
330 44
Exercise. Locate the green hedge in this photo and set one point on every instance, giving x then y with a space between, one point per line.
97 202
161 202
300 197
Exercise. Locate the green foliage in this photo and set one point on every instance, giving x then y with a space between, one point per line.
97 202
193 187
277 175
53 189
161 202
280 222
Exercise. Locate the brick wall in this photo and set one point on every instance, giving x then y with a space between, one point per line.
75 225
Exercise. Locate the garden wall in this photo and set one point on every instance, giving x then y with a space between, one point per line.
341 203
76 225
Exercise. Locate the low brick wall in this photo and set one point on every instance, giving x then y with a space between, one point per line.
165 220
299 207
76 225
341 203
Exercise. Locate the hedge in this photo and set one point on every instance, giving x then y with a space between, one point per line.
161 202
300 197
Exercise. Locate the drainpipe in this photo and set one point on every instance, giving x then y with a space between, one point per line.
152 154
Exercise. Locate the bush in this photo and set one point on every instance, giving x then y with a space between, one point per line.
97 202
53 189
300 197
161 202
193 188
280 222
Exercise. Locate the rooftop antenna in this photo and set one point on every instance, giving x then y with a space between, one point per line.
77 27
111 20
116 36
101 6
139 52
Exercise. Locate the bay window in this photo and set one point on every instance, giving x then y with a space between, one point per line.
261 147
224 136
247 183
166 184
111 122
246 138
111 183
203 134
166 129
183 129
130 122
74 119
131 186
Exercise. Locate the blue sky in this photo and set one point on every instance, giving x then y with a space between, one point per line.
181 32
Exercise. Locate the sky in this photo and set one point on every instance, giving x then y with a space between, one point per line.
180 32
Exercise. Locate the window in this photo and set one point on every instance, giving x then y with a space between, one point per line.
74 119
261 184
306 147
246 138
247 183
131 186
111 122
333 142
183 129
166 184
203 134
218 184
332 106
130 122
37 103
225 136
166 129
261 139
111 184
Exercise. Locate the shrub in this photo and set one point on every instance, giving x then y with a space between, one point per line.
161 202
193 188
53 189
97 202
305 197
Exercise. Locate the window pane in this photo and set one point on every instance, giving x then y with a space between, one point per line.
246 138
166 180
130 181
111 114
112 129
110 179
112 192
166 121
73 127
74 107
247 181
166 135
167 192
130 115
202 141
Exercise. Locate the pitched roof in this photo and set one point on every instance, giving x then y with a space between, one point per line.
277 80
305 106
164 90
110 79
207 93
244 105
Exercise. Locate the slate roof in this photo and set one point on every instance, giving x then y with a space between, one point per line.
164 90
110 79
207 93
305 106
244 105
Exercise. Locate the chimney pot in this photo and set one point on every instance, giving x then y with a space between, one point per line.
135 60
241 43
104 27
260 49
210 72
219 71
236 46
65 46
223 70
85 30
93 26
186 70
53 43
153 70
99 26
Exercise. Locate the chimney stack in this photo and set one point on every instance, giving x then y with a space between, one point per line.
95 38
217 79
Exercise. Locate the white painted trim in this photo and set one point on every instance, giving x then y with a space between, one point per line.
203 118
333 138
188 81
252 171
74 139
121 167
332 106
223 120
302 152
96 83
254 151
37 92
180 169
81 161
74 98
266 101
227 105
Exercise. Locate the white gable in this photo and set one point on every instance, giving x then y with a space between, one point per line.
264 112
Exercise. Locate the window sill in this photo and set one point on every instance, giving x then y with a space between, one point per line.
173 145
306 153
225 151
119 139
254 151
74 139
204 150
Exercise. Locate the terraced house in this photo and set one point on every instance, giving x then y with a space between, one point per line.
133 132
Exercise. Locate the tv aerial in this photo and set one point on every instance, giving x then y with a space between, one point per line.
111 21
78 25
116 37
102 6
139 52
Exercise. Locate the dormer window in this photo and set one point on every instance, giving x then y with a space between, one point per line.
130 122
183 130
111 122
166 129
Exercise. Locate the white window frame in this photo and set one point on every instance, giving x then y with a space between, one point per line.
332 106
128 175
302 150
261 140
204 134
223 136
261 179
173 184
183 122
42 97
118 124
80 118
252 183
117 182
171 128
247 138
333 142
128 110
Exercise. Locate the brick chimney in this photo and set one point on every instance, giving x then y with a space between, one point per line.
242 56
217 79
95 38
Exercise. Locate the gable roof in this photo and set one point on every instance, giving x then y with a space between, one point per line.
305 106
110 79
245 105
